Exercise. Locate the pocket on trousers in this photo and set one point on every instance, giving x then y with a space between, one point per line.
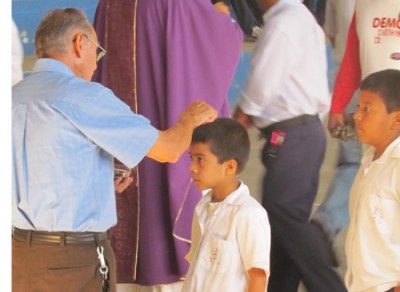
73 278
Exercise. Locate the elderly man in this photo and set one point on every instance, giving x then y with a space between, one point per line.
66 133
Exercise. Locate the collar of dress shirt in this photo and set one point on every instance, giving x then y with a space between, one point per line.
48 64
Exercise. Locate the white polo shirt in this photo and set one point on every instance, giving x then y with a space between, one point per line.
228 239
372 45
373 238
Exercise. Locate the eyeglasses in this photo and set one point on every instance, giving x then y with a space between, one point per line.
100 50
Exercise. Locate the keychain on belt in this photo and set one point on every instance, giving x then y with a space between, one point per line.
103 269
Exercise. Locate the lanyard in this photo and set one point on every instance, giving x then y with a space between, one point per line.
103 269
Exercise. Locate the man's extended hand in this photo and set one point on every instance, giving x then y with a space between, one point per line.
173 142
199 113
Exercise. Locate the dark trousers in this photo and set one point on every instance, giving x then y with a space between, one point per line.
298 249
248 14
317 8
49 267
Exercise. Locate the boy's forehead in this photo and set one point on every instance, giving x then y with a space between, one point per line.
199 148
371 99
369 96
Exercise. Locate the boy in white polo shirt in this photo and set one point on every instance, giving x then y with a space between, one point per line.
230 229
373 238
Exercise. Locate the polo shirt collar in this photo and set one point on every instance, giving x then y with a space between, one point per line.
235 198
392 151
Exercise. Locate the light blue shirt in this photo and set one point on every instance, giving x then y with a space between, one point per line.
65 133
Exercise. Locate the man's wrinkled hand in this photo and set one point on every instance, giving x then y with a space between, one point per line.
200 112
121 183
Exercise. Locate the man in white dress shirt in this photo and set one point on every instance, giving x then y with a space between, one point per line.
286 93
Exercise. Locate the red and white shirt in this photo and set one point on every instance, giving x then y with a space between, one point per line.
373 44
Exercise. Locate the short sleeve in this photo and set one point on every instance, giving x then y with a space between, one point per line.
253 232
110 124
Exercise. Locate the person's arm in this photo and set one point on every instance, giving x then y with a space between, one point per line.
348 78
254 240
397 289
330 25
172 143
257 280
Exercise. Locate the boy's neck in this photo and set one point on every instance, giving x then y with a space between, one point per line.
379 150
220 193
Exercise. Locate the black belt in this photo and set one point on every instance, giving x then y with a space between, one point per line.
58 237
286 124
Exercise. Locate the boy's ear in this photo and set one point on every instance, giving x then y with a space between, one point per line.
396 122
231 167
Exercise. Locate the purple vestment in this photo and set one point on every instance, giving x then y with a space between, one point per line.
183 51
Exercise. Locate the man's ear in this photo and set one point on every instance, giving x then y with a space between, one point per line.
77 45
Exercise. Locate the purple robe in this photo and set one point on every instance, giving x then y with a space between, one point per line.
184 51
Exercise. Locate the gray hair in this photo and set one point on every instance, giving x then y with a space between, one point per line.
53 33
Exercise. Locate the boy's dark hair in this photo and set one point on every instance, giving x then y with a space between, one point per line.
227 139
386 84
